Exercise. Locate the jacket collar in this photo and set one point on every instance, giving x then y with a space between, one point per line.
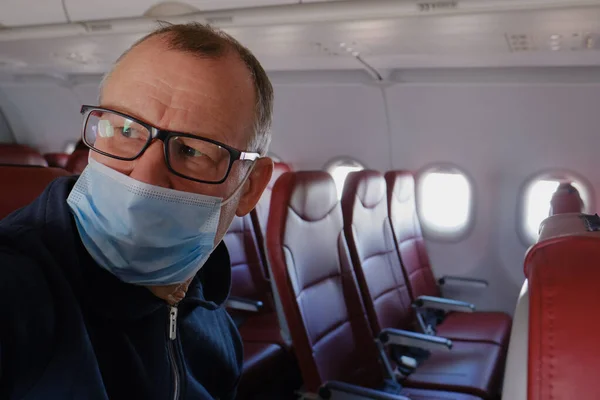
112 297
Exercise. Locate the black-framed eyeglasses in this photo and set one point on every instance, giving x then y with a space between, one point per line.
120 136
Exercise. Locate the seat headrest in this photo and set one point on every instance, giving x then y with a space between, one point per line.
565 200
400 185
18 154
313 194
23 184
78 160
367 185
58 160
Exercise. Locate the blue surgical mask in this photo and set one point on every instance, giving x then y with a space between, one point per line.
143 234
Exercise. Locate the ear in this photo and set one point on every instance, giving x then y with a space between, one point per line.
255 186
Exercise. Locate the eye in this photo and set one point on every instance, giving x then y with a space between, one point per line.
188 151
127 132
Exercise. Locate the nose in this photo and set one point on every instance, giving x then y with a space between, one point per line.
151 168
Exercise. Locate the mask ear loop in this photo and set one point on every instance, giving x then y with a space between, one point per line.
240 186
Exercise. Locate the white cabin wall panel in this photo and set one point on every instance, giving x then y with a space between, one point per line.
31 12
500 135
87 93
45 116
314 123
89 10
6 135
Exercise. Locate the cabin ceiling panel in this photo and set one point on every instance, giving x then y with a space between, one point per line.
31 12
90 10
524 38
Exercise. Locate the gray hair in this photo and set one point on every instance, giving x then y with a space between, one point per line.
206 41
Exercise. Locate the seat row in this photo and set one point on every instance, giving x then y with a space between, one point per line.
358 292
18 154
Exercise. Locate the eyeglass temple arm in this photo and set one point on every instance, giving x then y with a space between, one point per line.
249 156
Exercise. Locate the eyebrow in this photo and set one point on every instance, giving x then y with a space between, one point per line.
219 137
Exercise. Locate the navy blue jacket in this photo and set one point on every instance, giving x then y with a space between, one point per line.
71 330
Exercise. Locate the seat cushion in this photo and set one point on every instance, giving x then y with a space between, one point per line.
263 327
424 394
469 367
261 362
491 327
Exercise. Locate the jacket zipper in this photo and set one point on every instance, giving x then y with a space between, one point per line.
172 356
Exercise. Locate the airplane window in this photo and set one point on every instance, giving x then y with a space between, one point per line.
339 169
70 147
444 202
537 205
536 200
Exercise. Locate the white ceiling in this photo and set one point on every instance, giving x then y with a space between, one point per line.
325 36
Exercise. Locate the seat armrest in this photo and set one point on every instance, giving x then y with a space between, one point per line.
243 304
413 339
440 303
459 280
335 390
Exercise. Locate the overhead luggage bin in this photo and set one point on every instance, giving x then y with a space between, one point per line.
31 12
89 10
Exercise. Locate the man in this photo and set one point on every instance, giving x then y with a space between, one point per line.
112 285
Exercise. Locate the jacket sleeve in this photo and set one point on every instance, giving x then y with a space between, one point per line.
24 317
239 351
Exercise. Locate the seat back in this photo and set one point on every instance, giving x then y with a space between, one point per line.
515 372
57 160
247 274
20 185
316 284
262 208
566 199
77 161
563 273
18 154
373 252
402 209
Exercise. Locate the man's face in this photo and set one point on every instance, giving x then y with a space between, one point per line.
212 98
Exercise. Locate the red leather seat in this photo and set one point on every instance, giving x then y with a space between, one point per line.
260 214
566 199
262 363
78 160
20 185
493 327
58 160
249 281
563 273
266 356
311 267
263 206
469 367
18 154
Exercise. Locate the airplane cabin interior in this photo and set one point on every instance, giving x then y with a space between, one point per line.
430 228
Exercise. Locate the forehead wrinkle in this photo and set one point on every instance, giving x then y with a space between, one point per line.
171 120
182 108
